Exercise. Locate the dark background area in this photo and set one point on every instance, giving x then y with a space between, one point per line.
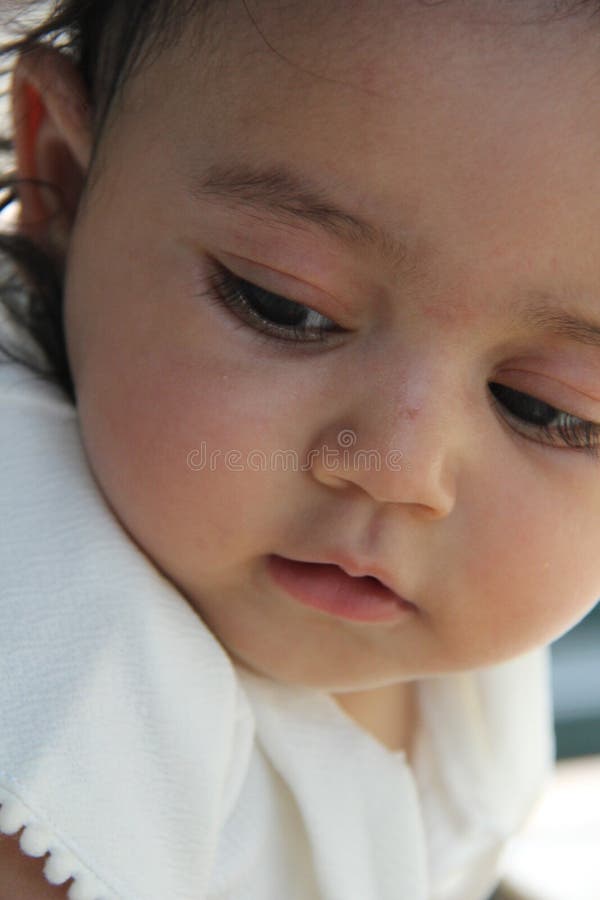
576 686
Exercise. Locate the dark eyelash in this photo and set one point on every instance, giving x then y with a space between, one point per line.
236 295
572 431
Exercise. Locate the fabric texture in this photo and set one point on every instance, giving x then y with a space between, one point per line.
147 766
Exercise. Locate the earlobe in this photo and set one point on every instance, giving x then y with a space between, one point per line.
53 143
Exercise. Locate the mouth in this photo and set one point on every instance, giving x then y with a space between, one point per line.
329 588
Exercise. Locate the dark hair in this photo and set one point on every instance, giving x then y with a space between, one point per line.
107 40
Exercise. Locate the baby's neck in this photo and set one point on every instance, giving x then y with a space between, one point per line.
388 713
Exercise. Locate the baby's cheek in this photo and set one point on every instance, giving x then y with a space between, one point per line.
188 473
513 574
536 586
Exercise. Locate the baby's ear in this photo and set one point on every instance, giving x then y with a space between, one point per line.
53 144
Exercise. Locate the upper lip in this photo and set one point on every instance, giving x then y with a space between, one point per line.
357 569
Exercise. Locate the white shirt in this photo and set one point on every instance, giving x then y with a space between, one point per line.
150 767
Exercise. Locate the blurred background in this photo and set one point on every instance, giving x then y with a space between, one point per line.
556 856
576 682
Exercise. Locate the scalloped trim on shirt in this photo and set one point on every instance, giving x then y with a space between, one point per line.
38 840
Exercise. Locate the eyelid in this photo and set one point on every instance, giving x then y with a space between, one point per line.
233 295
569 433
558 393
274 280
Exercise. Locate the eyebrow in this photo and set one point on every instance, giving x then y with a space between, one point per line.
292 196
542 315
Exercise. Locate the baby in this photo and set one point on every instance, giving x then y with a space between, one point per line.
318 285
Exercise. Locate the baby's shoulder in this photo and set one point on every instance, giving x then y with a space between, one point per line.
22 875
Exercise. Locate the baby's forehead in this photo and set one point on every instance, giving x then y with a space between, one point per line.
379 47
419 116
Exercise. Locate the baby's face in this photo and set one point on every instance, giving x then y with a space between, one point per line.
470 152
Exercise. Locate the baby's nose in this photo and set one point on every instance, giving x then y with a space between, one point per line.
406 455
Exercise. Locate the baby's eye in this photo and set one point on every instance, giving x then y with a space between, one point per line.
270 313
554 426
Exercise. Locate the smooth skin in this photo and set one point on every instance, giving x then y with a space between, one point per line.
21 876
471 138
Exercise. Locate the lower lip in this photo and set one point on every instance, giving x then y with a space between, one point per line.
328 588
